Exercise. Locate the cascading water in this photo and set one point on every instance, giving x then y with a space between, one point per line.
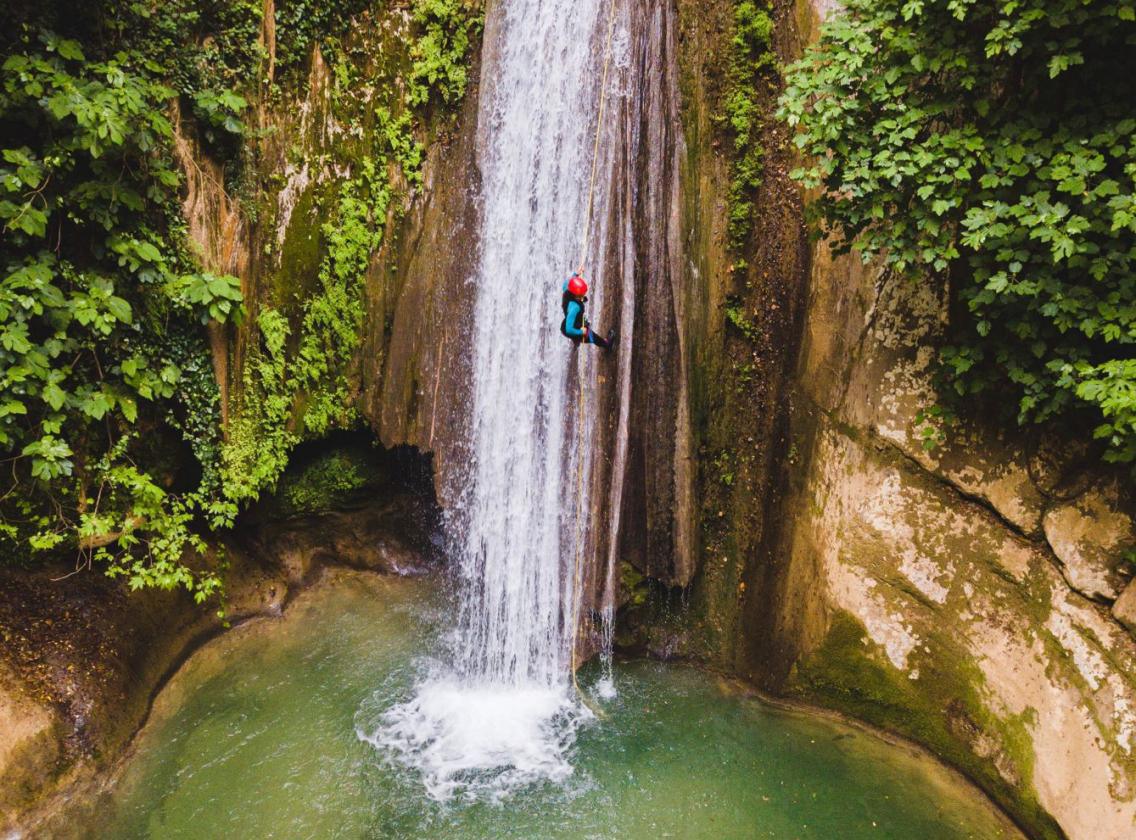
502 713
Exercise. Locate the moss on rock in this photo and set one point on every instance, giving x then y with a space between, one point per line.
942 710
329 481
300 255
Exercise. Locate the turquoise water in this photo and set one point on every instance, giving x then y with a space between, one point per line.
256 737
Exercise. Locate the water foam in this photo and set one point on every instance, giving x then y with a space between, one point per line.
481 742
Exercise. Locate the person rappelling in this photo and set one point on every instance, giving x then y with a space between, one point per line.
575 326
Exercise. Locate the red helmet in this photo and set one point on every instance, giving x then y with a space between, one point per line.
577 286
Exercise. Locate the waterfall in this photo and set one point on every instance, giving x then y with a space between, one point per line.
502 712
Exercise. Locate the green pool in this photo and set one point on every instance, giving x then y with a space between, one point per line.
256 737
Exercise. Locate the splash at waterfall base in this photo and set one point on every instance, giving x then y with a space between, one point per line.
485 741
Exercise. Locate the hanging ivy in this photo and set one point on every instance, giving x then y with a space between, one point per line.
991 147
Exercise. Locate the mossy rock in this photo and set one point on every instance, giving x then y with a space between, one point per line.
327 476
633 585
944 711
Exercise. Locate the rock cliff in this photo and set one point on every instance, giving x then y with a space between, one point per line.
974 597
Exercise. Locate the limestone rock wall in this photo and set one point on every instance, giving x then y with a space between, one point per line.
974 597
954 596
408 376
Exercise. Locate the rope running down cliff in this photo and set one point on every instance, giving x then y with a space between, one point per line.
581 418
585 236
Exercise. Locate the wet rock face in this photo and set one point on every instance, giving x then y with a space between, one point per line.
392 535
959 595
647 395
416 378
691 392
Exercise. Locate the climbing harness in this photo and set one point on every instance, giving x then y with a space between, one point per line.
581 418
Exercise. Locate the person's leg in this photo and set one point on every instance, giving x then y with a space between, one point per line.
597 339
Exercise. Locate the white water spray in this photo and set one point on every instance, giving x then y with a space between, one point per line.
503 714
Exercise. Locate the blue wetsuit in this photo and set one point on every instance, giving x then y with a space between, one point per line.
574 323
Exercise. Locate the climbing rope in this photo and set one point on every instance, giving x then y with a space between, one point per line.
581 535
596 143
580 539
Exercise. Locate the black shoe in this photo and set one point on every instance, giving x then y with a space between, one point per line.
613 337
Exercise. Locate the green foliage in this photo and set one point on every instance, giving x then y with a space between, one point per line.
91 260
445 29
1112 388
399 137
318 487
750 61
216 298
315 377
300 24
333 318
724 467
204 50
441 54
736 316
633 586
259 440
148 531
195 410
994 146
931 425
104 357
327 481
220 110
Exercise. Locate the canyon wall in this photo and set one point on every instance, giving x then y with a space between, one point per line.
970 596
964 596
758 483
974 597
